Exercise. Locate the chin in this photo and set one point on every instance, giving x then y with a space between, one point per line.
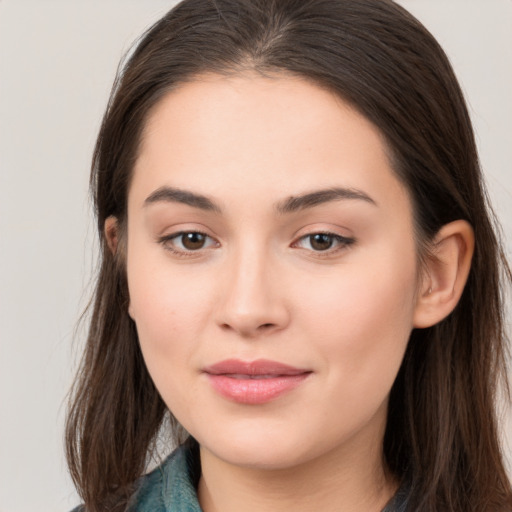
266 459
259 450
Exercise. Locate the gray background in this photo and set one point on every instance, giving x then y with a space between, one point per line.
57 63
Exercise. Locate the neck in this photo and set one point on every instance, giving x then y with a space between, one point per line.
357 480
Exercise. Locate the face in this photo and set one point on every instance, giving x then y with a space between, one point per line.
272 269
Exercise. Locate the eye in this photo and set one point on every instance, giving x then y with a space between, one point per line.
186 242
324 242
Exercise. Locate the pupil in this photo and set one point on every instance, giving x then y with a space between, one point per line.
193 240
321 241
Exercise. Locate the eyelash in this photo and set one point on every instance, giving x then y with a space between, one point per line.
342 241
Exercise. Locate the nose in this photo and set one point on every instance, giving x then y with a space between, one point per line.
252 297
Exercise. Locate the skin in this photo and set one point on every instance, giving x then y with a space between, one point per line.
260 287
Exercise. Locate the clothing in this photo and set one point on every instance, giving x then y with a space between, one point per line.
171 487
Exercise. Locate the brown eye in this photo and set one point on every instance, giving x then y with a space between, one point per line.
187 242
328 243
193 241
321 241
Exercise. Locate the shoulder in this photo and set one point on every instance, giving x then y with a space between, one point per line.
148 495
171 487
398 502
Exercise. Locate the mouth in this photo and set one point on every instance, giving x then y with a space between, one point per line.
256 382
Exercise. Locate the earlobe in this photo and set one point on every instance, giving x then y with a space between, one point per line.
446 274
111 230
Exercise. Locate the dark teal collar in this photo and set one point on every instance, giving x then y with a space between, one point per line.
171 487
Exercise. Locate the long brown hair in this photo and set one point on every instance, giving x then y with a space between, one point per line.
442 429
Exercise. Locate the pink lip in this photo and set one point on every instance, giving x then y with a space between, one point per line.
255 382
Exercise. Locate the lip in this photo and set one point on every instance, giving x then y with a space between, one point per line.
254 382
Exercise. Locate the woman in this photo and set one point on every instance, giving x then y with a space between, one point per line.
300 276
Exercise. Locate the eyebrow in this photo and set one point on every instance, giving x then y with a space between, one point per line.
317 197
290 205
176 195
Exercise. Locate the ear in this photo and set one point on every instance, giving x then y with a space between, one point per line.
111 230
446 274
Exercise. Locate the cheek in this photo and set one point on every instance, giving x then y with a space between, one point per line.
367 294
361 321
169 317
167 309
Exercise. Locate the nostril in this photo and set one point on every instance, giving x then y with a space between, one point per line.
247 330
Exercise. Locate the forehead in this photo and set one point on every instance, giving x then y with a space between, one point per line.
257 107
265 135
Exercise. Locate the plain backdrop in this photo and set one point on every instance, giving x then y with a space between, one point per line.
57 61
